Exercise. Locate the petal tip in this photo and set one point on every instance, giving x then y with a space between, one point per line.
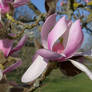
35 70
77 21
24 79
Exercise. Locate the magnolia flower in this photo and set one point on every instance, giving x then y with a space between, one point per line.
61 4
86 1
60 41
6 47
5 7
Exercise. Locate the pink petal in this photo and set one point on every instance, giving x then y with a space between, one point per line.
58 47
19 45
35 70
18 3
48 54
4 8
66 34
12 67
57 32
8 1
46 28
75 39
5 46
85 53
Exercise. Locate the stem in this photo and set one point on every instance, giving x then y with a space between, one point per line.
34 8
70 8
26 26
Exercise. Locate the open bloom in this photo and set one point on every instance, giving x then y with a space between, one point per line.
5 7
6 47
60 41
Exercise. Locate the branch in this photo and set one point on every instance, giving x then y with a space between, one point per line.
70 8
34 8
26 26
50 6
78 5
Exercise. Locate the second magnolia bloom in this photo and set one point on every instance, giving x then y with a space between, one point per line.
5 4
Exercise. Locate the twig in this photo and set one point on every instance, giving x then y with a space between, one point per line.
70 8
26 26
78 5
34 8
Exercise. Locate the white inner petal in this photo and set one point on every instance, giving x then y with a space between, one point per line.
82 68
35 70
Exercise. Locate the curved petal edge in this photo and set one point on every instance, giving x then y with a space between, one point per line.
35 70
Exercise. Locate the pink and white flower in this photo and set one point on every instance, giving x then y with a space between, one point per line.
6 46
60 40
5 7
